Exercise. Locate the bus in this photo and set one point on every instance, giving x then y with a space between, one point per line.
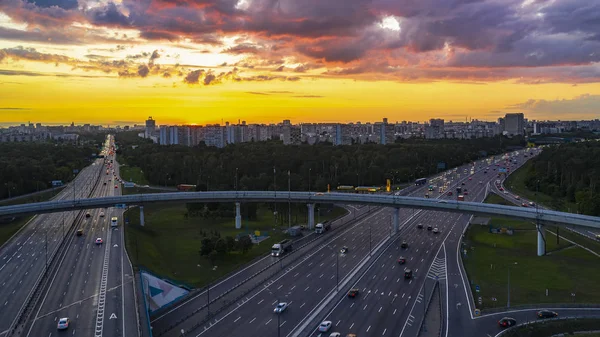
421 181
114 221
345 188
367 189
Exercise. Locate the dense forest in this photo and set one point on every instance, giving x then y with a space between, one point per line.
28 167
569 171
265 165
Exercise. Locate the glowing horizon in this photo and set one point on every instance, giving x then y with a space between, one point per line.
105 63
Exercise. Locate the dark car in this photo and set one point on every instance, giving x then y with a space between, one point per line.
484 172
87 215
546 314
462 184
353 292
79 232
506 322
450 193
401 260
408 274
429 227
420 226
404 244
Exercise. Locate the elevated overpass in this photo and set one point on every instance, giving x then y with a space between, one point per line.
541 216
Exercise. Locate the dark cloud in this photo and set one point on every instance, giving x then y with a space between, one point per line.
244 48
31 54
209 78
584 106
256 93
109 16
64 4
153 57
193 77
11 108
143 70
308 96
159 35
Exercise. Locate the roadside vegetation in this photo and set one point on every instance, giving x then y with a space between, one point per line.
566 177
195 250
265 165
565 270
132 174
556 328
29 167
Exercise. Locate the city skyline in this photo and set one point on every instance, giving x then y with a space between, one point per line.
193 62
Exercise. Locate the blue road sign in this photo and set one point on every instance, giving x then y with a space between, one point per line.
477 288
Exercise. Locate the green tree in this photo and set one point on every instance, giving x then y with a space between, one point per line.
245 244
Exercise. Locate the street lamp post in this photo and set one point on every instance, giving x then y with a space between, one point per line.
236 179
370 239
337 271
289 200
508 287
309 174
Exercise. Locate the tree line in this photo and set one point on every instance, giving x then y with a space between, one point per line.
265 165
29 167
569 172
213 245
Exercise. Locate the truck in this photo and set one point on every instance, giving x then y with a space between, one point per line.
186 187
322 227
461 197
114 221
281 248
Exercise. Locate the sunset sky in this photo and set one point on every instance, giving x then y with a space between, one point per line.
204 61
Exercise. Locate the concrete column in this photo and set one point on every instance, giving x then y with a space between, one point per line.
541 240
311 216
141 215
238 216
396 220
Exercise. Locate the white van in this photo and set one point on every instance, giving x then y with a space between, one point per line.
114 221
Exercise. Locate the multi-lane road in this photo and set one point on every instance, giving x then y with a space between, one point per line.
94 284
386 297
23 257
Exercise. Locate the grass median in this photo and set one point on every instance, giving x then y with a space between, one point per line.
132 174
169 243
565 270
556 328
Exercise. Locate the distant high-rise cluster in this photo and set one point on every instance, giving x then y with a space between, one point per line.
384 132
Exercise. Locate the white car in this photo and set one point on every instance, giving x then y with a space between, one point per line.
325 326
436 230
102 214
280 307
63 323
335 334
99 241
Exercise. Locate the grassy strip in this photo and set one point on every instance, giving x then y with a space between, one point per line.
516 184
169 243
554 327
132 174
566 269
10 227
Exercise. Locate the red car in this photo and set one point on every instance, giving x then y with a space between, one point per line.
449 193
506 322
401 260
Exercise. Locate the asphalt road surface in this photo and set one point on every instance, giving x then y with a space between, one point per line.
304 284
23 257
90 272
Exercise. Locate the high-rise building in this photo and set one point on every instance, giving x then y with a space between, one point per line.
173 135
291 135
514 123
150 127
435 130
214 135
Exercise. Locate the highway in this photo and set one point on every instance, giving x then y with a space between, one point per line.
23 257
304 283
77 289
389 304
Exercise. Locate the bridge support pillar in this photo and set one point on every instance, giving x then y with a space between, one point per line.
541 240
141 215
311 216
396 220
238 216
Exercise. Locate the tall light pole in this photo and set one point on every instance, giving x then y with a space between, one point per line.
309 174
337 271
236 179
508 287
289 200
370 239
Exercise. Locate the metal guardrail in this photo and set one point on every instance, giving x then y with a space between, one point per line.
227 303
522 213
31 301
435 286
194 292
